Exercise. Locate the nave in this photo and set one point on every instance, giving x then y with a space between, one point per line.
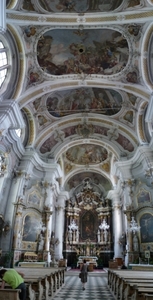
96 288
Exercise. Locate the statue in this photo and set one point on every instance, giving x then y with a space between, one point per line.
135 243
40 242
98 236
19 239
77 235
70 235
105 235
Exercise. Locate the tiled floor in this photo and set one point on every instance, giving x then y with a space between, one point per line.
96 288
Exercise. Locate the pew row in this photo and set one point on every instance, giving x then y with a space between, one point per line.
140 293
128 284
9 294
42 283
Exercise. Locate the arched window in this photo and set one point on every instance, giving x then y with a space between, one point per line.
3 63
9 64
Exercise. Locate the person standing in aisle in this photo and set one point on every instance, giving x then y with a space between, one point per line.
84 274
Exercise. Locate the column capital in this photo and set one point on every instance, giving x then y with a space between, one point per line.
59 208
128 213
117 206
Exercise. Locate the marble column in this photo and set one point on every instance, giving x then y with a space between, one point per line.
117 229
129 234
59 230
59 224
114 195
15 190
18 225
48 193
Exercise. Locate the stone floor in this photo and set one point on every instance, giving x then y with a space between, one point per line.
96 287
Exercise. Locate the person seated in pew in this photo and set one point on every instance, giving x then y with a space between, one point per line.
15 280
123 266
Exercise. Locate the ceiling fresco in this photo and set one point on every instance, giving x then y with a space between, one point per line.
84 154
86 131
66 51
79 5
96 178
93 100
84 93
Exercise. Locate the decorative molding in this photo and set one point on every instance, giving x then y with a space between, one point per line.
2 16
68 19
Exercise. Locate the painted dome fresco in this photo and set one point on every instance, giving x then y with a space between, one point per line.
67 51
79 5
84 154
93 100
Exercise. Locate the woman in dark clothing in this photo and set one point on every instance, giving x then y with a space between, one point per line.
84 273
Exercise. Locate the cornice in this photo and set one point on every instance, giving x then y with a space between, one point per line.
59 19
71 121
60 84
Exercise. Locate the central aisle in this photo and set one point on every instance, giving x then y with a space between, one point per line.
96 288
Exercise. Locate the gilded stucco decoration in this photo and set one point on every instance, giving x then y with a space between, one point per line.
129 116
106 166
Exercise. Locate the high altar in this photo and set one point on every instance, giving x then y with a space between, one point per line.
88 227
87 230
91 261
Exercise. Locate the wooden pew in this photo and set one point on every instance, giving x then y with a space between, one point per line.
132 289
34 287
128 281
124 283
125 287
140 292
148 296
121 282
9 294
48 284
51 280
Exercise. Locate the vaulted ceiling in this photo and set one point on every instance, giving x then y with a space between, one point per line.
84 81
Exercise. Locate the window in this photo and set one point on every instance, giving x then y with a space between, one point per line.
3 63
18 132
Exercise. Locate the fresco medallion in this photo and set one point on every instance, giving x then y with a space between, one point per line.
79 5
95 51
93 100
86 154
